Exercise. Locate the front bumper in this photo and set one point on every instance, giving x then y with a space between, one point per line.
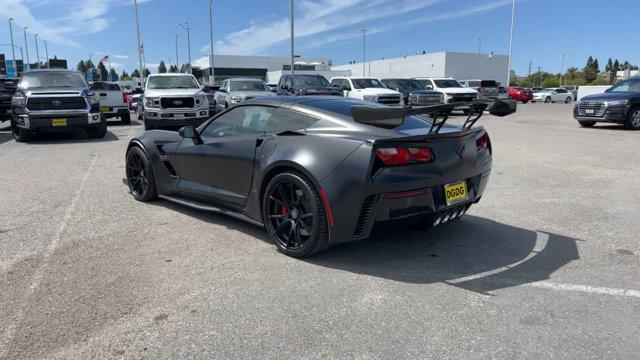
174 119
114 110
44 121
612 114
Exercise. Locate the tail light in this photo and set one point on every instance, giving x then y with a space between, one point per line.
483 142
403 156
124 98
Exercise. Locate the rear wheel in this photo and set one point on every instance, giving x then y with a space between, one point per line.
587 124
295 216
633 121
140 176
547 100
525 101
567 100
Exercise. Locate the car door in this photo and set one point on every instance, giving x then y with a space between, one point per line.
560 95
220 169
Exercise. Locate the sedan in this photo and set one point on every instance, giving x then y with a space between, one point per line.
518 93
549 95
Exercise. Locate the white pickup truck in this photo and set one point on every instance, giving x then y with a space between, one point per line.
113 102
368 89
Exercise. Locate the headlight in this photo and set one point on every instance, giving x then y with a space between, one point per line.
18 101
235 98
617 102
151 102
373 98
92 98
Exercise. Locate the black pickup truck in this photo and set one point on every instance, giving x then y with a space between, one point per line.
306 85
619 104
7 89
55 100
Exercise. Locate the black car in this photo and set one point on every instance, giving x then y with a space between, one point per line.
306 85
7 89
414 92
317 171
55 100
619 104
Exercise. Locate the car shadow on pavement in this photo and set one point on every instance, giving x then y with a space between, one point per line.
69 138
473 253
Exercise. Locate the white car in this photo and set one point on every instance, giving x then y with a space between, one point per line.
368 89
451 89
553 95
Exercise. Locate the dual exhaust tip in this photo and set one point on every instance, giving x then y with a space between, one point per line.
451 214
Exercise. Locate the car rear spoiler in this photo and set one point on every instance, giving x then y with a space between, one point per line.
391 117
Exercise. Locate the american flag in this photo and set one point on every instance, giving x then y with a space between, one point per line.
105 58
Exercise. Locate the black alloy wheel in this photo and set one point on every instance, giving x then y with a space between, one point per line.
294 215
140 177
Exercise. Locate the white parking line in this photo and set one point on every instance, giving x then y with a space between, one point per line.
585 288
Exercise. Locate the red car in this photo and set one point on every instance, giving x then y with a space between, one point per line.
518 93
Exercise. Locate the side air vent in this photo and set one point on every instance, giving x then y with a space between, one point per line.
165 160
363 220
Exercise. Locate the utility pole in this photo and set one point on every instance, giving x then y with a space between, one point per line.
561 69
26 47
175 37
188 28
513 16
46 51
479 42
37 51
13 50
213 73
540 72
135 9
292 38
364 51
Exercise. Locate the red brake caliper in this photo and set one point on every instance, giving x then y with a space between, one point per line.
283 210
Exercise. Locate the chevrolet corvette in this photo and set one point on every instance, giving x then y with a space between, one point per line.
318 171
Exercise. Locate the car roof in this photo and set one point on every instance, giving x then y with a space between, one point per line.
169 74
244 79
50 70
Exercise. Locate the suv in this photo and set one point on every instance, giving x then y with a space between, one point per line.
172 101
55 100
486 88
7 89
619 104
367 89
414 92
113 101
450 88
236 90
305 85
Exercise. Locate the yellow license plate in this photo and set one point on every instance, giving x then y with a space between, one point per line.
59 122
104 109
455 192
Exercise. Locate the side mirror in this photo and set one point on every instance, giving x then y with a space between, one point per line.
190 132
502 108
206 88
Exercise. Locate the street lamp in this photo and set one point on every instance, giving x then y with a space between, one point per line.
561 69
26 44
13 50
186 26
139 44
513 16
37 52
175 37
213 73
46 51
364 51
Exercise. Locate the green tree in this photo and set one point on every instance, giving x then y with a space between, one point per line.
146 72
82 67
609 66
162 68
572 72
596 66
124 75
184 68
113 74
103 71
173 69
135 73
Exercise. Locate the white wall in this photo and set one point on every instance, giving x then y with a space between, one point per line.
466 66
271 63
584 90
274 76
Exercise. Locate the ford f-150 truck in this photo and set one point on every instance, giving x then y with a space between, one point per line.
173 100
414 92
113 101
367 89
55 100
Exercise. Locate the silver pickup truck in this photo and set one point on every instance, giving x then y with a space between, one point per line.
236 90
171 101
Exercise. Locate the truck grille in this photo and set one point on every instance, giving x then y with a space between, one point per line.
389 99
177 102
425 99
56 103
463 97
597 107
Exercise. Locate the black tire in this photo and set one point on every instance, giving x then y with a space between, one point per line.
99 131
633 120
587 124
547 100
291 203
525 101
140 176
568 100
20 134
125 118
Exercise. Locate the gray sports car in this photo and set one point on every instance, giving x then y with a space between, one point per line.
318 171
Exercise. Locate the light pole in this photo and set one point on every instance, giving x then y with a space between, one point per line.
561 69
213 73
37 52
292 38
26 45
513 16
479 42
13 50
46 51
139 45
175 37
188 28
364 51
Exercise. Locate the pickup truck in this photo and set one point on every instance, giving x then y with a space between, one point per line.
113 101
450 88
414 92
298 85
367 89
53 100
7 89
172 101
236 90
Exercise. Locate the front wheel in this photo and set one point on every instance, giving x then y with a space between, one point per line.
567 100
295 216
633 121
125 118
525 101
547 100
98 132
20 134
140 176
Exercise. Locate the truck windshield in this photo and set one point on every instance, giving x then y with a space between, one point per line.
248 86
410 85
310 82
367 83
631 85
46 79
447 83
172 82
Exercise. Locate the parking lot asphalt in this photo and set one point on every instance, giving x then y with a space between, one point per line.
546 265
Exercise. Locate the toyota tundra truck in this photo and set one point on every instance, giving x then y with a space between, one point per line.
172 101
55 100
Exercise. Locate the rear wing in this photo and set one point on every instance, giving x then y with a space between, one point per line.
390 118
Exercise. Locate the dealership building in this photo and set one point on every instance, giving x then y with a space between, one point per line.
458 65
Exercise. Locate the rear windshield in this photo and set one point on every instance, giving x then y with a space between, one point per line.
105 86
488 83
447 83
310 82
172 82
44 79
367 83
406 84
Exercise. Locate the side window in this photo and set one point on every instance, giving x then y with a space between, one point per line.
335 83
241 121
289 82
562 91
285 119
97 86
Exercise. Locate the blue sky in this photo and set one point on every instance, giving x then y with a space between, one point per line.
545 29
